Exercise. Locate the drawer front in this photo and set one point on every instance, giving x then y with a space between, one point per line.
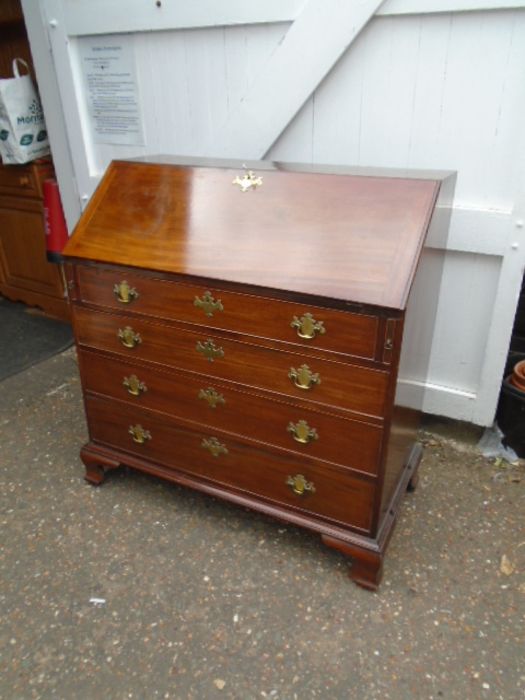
339 331
348 443
19 181
347 386
324 491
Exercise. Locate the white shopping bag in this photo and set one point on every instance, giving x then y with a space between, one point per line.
23 134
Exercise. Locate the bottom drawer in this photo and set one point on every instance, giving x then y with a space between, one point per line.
301 484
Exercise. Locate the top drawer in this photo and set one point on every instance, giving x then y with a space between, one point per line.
19 180
310 326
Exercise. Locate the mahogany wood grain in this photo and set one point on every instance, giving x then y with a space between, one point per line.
402 437
340 236
351 387
340 245
97 466
24 180
345 332
338 496
367 565
25 273
345 442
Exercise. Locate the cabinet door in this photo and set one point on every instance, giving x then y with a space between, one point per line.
25 273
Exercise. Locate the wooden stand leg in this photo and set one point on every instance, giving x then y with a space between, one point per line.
96 465
367 566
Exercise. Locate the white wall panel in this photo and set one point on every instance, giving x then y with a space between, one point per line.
187 80
444 91
456 360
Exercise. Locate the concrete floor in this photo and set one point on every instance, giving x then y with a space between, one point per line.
200 599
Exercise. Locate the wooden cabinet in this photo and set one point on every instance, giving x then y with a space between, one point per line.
246 343
25 274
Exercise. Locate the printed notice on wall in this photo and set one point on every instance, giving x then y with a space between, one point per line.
111 90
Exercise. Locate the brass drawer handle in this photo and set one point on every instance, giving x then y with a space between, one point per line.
301 432
304 378
214 446
299 485
124 293
209 350
139 435
213 397
307 326
208 304
128 337
247 181
134 386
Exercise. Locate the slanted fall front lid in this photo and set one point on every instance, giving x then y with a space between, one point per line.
344 236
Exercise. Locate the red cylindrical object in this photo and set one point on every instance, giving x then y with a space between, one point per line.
54 221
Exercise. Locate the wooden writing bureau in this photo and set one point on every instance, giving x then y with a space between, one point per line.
239 332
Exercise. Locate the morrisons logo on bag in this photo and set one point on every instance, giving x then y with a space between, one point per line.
35 116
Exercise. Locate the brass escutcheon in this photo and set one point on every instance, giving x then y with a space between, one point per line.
304 378
208 304
212 397
248 181
209 350
128 337
301 432
214 446
138 434
134 386
124 293
299 485
307 326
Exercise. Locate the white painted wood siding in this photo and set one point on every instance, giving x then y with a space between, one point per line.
434 85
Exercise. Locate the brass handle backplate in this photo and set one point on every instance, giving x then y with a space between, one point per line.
304 378
209 350
214 446
213 397
124 293
208 304
248 181
307 327
299 485
301 432
128 337
134 386
138 434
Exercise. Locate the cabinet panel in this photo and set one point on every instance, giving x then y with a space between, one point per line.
22 248
25 273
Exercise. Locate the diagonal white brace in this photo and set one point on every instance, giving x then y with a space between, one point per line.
322 32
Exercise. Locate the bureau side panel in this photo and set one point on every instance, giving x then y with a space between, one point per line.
401 426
